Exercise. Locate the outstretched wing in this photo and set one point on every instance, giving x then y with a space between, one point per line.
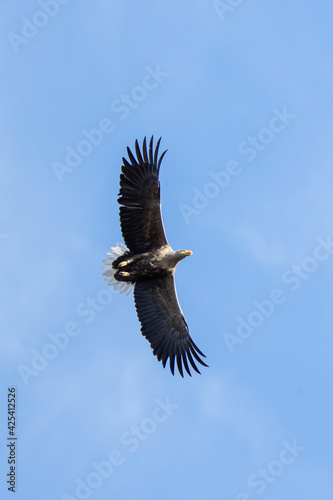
140 213
163 323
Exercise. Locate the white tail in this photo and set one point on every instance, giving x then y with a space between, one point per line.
108 271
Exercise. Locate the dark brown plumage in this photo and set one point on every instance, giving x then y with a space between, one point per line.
149 262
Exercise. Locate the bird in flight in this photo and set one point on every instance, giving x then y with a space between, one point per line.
149 263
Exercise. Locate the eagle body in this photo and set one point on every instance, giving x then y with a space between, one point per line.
156 263
148 262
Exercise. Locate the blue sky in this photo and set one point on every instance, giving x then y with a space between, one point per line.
241 93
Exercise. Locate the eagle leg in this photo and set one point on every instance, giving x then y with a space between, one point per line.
125 262
125 275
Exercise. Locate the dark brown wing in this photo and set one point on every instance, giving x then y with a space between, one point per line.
140 213
163 323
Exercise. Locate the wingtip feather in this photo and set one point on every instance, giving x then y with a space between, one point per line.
138 152
151 150
131 157
156 150
144 150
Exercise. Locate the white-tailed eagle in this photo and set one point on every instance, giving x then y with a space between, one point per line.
149 263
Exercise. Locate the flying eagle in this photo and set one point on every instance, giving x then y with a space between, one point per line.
149 262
